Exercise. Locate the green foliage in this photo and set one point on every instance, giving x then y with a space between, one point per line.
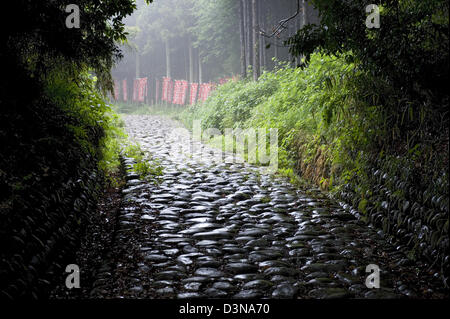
44 37
410 45
330 116
353 133
216 34
147 167
96 128
407 60
112 145
230 106
307 106
59 138
46 87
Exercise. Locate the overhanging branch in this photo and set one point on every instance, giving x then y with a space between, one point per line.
281 26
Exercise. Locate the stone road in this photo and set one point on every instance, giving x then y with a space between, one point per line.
218 230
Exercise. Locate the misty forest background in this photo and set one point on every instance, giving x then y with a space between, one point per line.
361 113
202 41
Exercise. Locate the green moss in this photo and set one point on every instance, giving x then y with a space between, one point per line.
362 206
265 199
148 168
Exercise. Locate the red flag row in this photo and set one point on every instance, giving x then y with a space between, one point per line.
167 88
193 93
140 90
205 90
174 92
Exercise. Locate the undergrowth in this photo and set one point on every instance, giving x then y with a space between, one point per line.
334 120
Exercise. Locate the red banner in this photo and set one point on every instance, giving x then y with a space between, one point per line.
176 92
142 93
139 89
169 97
184 88
167 89
179 92
201 92
135 89
193 93
146 87
124 90
205 90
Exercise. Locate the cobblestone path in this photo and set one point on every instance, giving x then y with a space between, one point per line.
216 230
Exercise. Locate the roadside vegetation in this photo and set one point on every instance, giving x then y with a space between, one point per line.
340 128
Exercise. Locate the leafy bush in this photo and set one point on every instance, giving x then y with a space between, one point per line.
331 120
340 128
310 107
148 168
55 134
409 49
230 105
95 126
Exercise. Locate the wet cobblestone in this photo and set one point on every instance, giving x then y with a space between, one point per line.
228 230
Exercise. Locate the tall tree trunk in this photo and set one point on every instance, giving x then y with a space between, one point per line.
260 39
275 39
292 10
199 68
186 63
242 38
263 53
305 13
168 73
138 64
304 20
244 4
262 22
191 62
196 61
297 25
276 48
250 33
255 40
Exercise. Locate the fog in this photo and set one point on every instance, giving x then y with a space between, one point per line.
199 40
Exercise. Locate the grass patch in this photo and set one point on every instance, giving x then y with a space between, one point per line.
147 167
